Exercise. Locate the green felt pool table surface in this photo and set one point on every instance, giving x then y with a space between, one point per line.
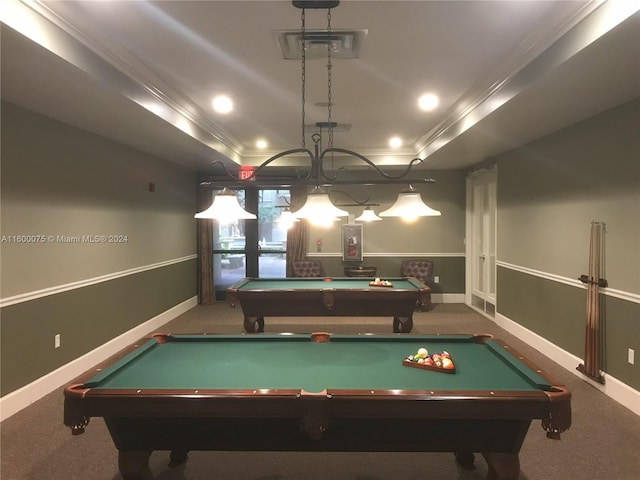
320 283
293 362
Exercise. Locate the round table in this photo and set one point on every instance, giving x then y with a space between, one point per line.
360 271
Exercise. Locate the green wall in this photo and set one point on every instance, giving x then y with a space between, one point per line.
551 190
57 182
548 194
557 312
62 181
85 318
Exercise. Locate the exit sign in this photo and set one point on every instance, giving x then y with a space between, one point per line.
245 173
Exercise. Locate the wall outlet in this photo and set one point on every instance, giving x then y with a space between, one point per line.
56 341
436 279
631 356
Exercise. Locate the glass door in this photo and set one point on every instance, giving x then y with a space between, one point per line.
272 238
229 250
250 248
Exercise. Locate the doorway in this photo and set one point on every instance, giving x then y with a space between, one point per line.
481 241
251 248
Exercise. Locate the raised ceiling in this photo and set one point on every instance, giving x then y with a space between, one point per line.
144 74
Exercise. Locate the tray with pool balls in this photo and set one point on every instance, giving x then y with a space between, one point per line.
436 362
380 283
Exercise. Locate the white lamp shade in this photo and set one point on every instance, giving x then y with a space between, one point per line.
319 210
368 215
286 220
324 222
410 206
225 208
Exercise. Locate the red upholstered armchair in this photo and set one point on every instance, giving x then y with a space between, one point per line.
307 268
423 271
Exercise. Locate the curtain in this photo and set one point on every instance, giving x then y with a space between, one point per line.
298 234
206 290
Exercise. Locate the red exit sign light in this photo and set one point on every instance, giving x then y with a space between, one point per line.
246 172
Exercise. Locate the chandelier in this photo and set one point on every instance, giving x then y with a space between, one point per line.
318 207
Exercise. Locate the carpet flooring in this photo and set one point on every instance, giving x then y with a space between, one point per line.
603 443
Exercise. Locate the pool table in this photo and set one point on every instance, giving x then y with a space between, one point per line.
317 392
329 296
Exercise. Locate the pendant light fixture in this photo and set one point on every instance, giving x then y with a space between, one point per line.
368 215
225 208
286 219
409 206
318 208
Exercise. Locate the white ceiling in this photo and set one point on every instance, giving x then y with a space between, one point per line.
144 74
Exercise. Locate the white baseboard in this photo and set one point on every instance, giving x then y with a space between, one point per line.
15 401
447 298
613 388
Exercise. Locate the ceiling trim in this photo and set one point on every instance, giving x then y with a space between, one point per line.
539 57
523 67
116 68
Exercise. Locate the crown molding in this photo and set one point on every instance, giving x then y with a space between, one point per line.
534 59
126 73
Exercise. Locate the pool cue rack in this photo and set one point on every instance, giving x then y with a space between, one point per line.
593 341
601 282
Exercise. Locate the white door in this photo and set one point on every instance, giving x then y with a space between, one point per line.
481 241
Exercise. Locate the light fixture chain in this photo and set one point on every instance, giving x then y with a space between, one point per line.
303 47
329 66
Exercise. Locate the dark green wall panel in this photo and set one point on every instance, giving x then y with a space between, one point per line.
557 312
622 331
85 318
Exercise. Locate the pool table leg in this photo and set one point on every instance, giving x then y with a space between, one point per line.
502 466
254 324
177 457
465 460
402 324
134 465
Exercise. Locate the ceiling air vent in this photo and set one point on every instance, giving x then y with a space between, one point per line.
343 43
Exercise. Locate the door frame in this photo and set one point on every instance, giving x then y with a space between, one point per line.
486 301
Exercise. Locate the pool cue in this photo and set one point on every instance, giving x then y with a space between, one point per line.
588 360
594 303
591 365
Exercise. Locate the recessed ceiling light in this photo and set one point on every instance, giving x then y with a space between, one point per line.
222 104
261 144
428 101
395 142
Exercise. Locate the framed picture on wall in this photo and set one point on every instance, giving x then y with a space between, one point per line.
351 243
